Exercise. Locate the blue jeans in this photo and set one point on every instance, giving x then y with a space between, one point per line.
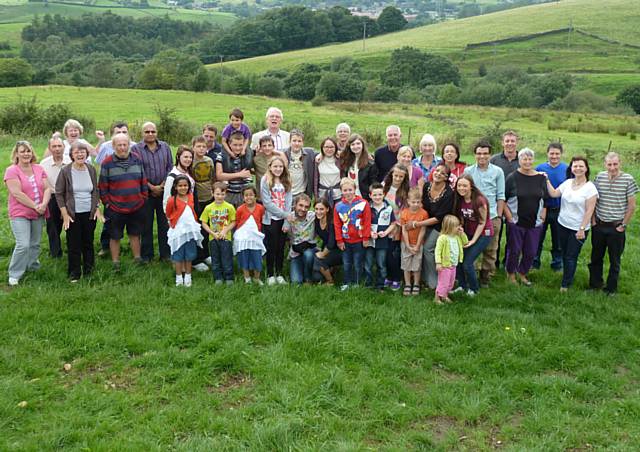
379 255
466 273
571 247
221 259
352 262
301 266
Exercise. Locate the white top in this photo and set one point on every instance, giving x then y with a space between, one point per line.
296 170
280 139
329 176
573 203
53 169
454 248
187 229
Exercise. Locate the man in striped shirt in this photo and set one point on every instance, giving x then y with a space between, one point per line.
123 191
614 210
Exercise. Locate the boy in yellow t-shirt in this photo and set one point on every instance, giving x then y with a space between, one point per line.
219 219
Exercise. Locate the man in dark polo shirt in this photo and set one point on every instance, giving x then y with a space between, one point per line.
614 210
387 156
157 161
210 133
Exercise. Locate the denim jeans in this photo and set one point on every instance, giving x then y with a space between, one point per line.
550 223
221 259
25 254
379 256
301 266
571 247
466 272
352 262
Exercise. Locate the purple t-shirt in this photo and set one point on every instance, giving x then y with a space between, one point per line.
32 187
471 219
244 129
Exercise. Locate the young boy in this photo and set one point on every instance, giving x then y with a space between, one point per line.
203 169
236 125
218 219
302 165
352 225
266 150
301 232
383 223
412 239
235 168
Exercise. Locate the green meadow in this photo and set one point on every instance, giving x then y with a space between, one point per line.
129 362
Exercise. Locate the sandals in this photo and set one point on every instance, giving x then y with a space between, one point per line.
407 291
415 290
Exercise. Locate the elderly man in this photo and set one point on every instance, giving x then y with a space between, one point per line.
614 210
280 137
52 166
387 156
157 162
490 180
123 191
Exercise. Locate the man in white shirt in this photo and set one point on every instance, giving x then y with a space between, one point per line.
105 148
280 137
52 166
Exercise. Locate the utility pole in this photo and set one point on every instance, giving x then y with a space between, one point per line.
569 34
364 34
221 72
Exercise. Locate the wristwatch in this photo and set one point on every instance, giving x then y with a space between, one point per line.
624 225
582 228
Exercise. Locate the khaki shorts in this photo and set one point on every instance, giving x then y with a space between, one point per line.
410 262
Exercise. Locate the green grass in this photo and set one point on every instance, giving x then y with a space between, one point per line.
11 33
157 368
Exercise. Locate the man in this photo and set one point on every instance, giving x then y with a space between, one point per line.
387 156
157 162
556 171
210 133
507 160
105 149
489 179
280 137
302 167
52 166
614 210
123 191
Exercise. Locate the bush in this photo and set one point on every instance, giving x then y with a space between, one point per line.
27 117
308 127
588 127
630 96
269 86
172 129
337 86
374 138
412 96
318 101
375 92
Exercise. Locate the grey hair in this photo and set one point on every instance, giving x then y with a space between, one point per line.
526 152
272 110
428 138
343 125
611 155
392 126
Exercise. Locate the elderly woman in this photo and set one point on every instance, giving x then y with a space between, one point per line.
72 132
451 158
78 197
525 213
327 174
29 194
343 132
578 197
357 166
405 157
427 160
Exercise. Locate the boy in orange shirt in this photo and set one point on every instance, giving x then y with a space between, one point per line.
412 240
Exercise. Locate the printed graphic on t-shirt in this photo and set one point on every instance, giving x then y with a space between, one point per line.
351 215
278 196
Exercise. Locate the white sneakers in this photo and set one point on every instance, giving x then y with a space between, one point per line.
13 281
201 267
208 261
280 280
271 280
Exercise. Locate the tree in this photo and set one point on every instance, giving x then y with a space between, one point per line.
411 67
391 19
15 72
630 96
469 10
301 84
335 86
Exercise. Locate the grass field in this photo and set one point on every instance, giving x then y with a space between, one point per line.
152 367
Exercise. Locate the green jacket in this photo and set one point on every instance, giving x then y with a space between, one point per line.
443 250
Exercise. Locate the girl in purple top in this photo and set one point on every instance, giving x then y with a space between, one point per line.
405 157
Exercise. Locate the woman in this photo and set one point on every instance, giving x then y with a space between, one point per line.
343 132
473 210
184 160
525 213
78 196
357 166
72 131
405 157
329 257
29 194
428 160
327 174
437 200
577 203
451 158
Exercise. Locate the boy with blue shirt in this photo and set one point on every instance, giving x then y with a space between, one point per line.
383 223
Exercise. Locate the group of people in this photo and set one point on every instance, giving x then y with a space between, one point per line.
398 218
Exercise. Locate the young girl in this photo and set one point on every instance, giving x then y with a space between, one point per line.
248 240
275 192
184 235
327 174
449 253
356 165
396 188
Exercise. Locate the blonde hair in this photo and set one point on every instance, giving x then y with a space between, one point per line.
284 177
414 193
405 150
72 123
450 225
346 181
16 148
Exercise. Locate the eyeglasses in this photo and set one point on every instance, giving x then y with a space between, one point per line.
150 131
23 143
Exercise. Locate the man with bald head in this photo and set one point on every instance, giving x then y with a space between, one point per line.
123 191
157 162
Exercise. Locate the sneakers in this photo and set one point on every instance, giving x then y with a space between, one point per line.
271 280
471 293
208 261
395 285
387 283
201 267
179 281
458 289
116 266
344 287
258 282
13 281
247 280
280 280
187 280
103 252
218 282
229 282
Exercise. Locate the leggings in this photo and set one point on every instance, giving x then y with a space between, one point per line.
274 240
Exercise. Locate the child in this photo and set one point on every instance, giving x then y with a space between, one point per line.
412 240
301 230
235 168
218 219
275 192
248 240
302 165
266 150
383 223
203 171
449 253
184 235
352 223
396 187
236 126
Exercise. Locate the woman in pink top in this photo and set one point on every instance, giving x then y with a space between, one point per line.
29 194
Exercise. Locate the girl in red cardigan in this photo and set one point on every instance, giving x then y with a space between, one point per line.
248 240
184 235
